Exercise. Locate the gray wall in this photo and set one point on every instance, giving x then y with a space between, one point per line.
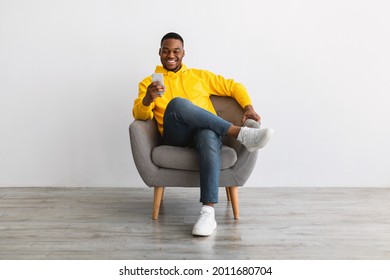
318 72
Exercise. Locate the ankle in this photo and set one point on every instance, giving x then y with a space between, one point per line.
208 204
233 131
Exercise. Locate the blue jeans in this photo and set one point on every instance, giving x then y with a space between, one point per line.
186 124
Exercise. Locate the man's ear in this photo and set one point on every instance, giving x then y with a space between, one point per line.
159 51
184 52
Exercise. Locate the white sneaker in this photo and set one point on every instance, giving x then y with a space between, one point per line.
206 224
254 138
251 123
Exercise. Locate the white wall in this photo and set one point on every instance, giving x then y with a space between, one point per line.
318 72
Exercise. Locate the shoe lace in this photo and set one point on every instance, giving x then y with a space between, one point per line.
204 216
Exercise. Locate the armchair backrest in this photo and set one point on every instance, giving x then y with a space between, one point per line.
228 109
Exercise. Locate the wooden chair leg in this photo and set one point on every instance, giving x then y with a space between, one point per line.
228 194
162 195
158 195
234 200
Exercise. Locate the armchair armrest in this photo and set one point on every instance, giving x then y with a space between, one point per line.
245 160
144 136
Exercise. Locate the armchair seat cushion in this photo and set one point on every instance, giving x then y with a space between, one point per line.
172 157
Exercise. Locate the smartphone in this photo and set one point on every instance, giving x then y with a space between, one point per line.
158 77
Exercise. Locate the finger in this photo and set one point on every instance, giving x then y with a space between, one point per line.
255 117
244 118
161 89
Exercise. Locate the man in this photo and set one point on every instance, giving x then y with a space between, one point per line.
186 117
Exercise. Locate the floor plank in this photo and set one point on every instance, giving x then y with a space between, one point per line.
115 223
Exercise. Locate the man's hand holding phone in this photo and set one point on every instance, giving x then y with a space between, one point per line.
159 78
155 89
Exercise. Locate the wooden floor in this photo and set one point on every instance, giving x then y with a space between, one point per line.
115 223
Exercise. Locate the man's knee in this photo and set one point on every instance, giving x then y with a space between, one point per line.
178 102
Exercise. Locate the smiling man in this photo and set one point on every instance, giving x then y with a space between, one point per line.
185 116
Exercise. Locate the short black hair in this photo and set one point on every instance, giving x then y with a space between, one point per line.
172 35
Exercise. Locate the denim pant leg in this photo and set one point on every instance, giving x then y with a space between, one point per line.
208 145
182 118
188 125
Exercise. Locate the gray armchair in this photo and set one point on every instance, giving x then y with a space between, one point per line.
167 166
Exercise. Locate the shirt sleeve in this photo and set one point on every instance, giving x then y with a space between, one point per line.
140 111
228 87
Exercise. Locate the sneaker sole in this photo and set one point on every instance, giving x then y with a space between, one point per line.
268 136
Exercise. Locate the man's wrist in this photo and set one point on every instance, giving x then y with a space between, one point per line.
249 108
146 101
